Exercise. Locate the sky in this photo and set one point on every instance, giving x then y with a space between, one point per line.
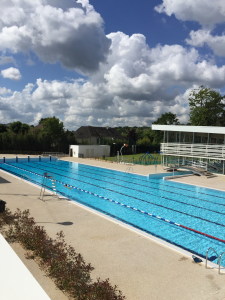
107 62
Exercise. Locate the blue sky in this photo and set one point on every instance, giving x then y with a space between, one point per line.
140 17
107 63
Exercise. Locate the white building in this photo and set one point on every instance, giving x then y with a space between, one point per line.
91 151
203 145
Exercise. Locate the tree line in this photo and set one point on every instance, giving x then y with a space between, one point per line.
48 136
207 108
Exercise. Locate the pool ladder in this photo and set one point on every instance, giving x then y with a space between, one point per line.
43 185
129 169
219 257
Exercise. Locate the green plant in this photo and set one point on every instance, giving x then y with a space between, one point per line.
61 262
103 290
6 218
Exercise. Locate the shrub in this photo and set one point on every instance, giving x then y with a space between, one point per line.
6 218
102 289
61 262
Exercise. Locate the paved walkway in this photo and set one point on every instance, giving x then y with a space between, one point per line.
142 268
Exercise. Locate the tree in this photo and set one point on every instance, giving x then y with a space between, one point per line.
49 135
15 127
132 136
24 128
206 107
52 133
18 127
3 128
167 119
52 127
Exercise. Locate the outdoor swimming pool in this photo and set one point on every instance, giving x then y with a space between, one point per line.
190 217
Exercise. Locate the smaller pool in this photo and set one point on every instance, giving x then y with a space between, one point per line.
169 174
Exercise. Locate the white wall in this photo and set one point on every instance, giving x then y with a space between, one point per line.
17 283
89 150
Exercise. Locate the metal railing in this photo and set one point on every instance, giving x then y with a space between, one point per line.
218 257
219 261
194 150
58 154
197 164
46 176
207 255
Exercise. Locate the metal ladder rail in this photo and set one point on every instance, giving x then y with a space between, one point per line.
43 185
129 169
41 196
54 188
219 261
207 255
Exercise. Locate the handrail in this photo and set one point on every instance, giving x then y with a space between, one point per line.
43 185
207 254
219 261
195 163
129 169
194 150
54 154
46 176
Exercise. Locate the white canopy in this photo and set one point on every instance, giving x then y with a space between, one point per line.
184 128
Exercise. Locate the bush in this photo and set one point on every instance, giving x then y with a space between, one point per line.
61 262
6 218
102 290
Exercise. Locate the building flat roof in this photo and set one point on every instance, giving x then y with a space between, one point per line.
184 128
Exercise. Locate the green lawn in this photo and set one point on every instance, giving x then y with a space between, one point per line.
141 159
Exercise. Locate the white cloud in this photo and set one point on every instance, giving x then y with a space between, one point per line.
11 73
52 90
203 37
205 12
5 91
17 106
121 93
154 70
129 82
55 31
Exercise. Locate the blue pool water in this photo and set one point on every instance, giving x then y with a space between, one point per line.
141 201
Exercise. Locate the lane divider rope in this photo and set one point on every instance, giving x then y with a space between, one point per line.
130 207
152 181
138 198
155 195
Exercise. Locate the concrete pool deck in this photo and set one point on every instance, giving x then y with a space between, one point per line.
141 267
